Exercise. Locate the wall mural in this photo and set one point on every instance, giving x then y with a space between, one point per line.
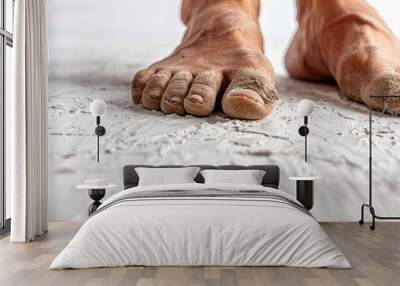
95 56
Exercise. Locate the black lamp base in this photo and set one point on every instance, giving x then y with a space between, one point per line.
303 130
100 130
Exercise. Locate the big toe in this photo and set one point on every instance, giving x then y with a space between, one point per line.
383 90
250 95
202 95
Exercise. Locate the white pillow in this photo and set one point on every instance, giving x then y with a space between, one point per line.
165 176
247 177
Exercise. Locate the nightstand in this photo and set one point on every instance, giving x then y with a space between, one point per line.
96 190
305 190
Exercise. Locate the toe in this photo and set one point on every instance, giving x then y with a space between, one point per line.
250 95
175 93
139 83
203 93
154 89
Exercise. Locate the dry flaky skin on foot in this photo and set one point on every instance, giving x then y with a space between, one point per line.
346 40
221 55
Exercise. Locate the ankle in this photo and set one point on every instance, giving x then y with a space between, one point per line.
191 8
331 8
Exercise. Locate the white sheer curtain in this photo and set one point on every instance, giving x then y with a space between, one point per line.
26 123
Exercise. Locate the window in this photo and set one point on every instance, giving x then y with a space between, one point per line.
6 43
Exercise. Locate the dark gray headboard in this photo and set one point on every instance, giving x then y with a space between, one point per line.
271 177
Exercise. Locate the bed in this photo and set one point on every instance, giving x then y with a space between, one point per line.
201 224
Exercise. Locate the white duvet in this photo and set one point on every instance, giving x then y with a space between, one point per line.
193 231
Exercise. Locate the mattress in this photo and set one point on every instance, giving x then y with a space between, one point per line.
201 225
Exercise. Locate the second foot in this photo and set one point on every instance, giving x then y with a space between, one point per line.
349 42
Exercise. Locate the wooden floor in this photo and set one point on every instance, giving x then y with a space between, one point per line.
375 257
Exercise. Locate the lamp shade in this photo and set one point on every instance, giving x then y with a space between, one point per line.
98 107
305 107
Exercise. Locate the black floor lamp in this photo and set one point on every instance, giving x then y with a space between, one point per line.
370 205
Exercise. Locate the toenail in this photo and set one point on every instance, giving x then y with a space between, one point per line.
175 99
154 93
195 98
247 93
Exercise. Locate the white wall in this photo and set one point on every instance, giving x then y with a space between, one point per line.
97 45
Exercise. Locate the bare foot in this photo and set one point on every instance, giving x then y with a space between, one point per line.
221 54
349 42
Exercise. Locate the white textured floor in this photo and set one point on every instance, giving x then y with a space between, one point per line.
83 69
